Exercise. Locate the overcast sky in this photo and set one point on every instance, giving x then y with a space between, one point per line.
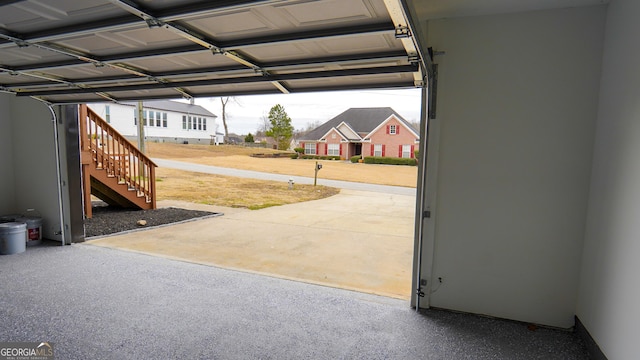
245 115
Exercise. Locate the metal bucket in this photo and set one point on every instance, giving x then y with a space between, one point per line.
13 238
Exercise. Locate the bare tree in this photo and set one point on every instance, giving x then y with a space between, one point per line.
263 126
224 101
312 125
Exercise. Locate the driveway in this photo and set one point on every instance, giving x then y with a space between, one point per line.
357 240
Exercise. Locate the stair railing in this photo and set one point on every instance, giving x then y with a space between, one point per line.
116 155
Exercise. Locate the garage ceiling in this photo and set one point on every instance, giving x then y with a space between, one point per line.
70 51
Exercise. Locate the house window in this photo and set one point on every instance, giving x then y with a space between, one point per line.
135 116
189 126
392 129
204 124
164 119
107 113
184 122
406 151
199 123
144 117
158 119
333 150
310 148
377 150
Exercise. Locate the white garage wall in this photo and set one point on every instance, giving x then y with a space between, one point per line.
609 289
34 162
7 183
517 102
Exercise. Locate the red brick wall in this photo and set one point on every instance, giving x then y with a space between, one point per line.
392 143
334 140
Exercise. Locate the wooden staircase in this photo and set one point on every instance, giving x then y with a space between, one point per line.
113 169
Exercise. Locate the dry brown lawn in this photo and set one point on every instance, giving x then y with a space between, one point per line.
237 157
254 194
173 184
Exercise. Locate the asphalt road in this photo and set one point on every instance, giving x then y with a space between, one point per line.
217 170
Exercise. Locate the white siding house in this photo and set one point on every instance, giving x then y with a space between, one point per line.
164 120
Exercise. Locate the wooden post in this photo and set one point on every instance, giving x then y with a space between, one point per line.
140 142
85 160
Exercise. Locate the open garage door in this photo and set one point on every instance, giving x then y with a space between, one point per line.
73 52
69 52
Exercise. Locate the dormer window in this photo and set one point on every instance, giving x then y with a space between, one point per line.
392 129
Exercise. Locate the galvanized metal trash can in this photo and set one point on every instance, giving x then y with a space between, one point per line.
13 238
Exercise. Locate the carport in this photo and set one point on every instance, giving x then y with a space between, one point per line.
528 207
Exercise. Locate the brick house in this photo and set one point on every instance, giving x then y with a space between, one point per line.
363 131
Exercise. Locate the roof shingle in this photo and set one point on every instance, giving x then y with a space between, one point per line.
361 120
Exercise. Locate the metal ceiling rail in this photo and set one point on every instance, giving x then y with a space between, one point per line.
244 92
226 46
371 58
237 80
404 34
193 36
139 55
81 57
128 20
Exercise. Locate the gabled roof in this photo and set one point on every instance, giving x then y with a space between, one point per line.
175 106
343 136
361 120
383 123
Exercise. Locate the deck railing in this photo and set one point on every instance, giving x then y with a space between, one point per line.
116 155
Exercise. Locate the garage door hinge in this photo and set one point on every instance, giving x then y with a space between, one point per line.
419 292
426 214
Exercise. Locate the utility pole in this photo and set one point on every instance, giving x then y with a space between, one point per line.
140 129
140 140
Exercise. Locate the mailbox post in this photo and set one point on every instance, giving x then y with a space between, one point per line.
315 178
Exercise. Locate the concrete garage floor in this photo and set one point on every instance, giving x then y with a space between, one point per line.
356 240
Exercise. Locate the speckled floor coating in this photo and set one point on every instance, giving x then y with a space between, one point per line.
100 303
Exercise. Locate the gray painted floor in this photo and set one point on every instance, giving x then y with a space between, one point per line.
97 303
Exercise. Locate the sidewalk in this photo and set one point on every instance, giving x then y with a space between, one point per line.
355 240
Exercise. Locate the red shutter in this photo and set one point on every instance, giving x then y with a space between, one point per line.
317 149
397 129
383 146
412 151
372 149
340 149
326 152
387 129
399 151
302 145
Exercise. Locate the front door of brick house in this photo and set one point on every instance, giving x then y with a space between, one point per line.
358 150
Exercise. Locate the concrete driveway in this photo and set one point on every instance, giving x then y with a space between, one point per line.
355 240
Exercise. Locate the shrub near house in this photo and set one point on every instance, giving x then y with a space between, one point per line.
365 132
